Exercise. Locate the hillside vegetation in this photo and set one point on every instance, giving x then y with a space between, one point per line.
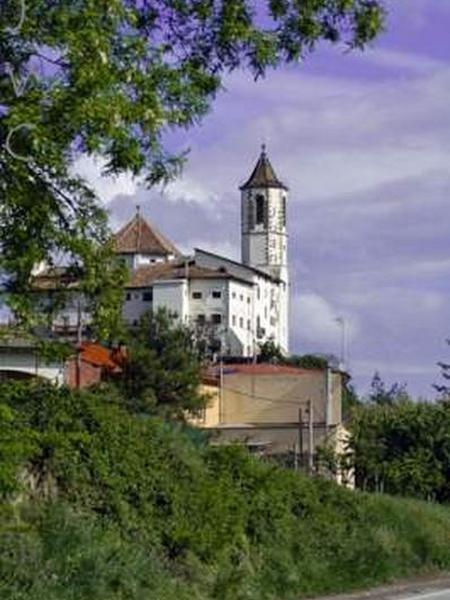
101 504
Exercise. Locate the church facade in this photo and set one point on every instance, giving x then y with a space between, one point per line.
239 305
233 306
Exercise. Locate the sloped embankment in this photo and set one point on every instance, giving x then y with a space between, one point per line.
126 507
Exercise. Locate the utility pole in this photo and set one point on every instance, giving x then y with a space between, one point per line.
221 389
310 436
300 437
78 346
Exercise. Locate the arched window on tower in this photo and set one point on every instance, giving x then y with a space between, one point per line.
260 209
283 211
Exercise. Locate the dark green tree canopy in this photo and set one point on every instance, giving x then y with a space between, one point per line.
444 387
111 78
383 395
162 374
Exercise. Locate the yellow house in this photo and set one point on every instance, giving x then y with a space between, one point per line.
276 409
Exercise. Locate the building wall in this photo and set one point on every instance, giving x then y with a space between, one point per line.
269 310
25 361
211 414
89 374
274 438
241 319
264 245
133 261
208 305
173 295
273 399
269 399
134 305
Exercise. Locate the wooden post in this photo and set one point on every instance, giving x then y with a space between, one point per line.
221 390
79 347
300 437
311 436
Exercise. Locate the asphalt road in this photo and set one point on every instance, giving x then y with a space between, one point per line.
422 588
431 595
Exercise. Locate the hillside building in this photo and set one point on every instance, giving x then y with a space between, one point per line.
234 306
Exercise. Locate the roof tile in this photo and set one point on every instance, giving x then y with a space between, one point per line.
141 237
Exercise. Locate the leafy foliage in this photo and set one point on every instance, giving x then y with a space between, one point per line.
111 78
403 448
271 352
381 395
350 400
139 509
162 374
444 388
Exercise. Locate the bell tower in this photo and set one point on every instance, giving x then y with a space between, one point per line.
263 220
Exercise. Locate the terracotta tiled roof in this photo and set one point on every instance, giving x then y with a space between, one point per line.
148 274
140 236
263 175
98 355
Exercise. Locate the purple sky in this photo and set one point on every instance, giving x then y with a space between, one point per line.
363 141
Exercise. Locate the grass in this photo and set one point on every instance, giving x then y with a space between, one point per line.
145 511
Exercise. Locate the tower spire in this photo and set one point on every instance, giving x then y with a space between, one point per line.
263 175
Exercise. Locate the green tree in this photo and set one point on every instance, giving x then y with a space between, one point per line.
350 400
269 352
111 78
307 361
162 374
444 388
403 448
380 394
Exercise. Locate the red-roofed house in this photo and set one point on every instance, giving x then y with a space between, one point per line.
94 363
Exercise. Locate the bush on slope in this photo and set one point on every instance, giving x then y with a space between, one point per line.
126 507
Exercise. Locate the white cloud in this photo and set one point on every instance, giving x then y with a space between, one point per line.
394 59
317 319
190 189
106 187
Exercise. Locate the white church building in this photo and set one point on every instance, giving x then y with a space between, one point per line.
236 306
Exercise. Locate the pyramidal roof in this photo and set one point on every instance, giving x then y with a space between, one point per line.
139 236
263 175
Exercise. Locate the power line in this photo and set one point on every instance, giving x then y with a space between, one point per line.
265 398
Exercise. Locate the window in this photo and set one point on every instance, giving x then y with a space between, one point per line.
249 324
135 322
128 296
241 322
283 211
147 296
216 294
258 292
201 319
233 295
241 297
136 296
260 209
197 295
248 299
233 320
216 318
